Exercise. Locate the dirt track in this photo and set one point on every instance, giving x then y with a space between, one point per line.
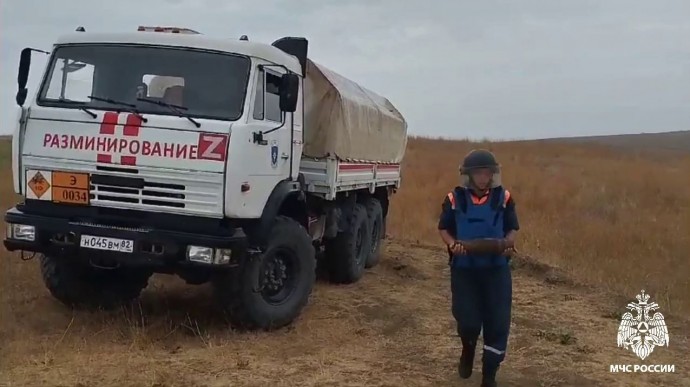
393 328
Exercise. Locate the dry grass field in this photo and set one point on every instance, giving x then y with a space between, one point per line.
598 225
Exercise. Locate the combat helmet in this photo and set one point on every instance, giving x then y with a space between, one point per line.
480 158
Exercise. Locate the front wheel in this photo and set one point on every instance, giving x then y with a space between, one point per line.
79 285
269 290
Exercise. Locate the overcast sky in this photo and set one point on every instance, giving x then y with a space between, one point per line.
494 69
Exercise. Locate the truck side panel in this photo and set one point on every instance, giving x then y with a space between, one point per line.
327 177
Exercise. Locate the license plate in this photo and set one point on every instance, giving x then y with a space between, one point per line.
105 243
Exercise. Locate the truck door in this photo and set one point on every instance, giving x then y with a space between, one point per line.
272 157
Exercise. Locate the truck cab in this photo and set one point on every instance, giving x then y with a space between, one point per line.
165 151
172 109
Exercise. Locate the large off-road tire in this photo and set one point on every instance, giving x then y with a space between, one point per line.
375 214
347 253
79 285
269 290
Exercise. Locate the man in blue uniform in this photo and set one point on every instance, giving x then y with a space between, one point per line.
481 282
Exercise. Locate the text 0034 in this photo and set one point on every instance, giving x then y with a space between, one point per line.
105 243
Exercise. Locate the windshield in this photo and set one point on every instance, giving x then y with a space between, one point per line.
207 84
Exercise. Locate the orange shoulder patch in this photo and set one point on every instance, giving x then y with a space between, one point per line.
507 197
451 198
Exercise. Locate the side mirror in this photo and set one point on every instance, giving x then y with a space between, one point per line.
23 74
289 89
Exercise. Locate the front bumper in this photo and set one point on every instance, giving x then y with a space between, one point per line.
150 246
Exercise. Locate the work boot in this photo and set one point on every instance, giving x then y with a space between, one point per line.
489 376
466 358
489 383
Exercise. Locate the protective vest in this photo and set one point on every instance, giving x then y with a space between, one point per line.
474 220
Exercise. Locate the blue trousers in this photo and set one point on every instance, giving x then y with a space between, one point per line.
482 298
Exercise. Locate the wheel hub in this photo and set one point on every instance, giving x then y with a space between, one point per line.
278 276
275 274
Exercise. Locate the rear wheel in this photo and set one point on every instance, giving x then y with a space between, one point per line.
269 290
375 214
347 253
78 285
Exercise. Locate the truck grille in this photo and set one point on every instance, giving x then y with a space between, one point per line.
157 190
145 188
153 194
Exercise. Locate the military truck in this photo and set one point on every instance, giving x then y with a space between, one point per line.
219 160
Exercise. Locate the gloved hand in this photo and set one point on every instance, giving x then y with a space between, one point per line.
482 246
509 247
457 248
510 251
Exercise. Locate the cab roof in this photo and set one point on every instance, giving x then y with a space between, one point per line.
197 41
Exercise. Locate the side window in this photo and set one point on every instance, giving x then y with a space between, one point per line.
267 97
259 97
273 112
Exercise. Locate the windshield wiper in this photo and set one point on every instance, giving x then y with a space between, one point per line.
175 108
82 108
89 112
114 102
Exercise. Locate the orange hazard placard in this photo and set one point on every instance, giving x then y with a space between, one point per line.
72 196
70 187
71 180
39 185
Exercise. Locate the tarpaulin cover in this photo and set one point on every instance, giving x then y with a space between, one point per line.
347 121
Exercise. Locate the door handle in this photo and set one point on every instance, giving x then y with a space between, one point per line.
285 156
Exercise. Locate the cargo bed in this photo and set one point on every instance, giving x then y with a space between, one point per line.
328 176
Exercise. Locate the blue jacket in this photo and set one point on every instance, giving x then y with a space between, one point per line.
468 217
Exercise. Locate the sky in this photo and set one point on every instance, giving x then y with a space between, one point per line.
485 69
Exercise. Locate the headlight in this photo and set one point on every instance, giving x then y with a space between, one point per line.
223 256
21 232
200 254
209 255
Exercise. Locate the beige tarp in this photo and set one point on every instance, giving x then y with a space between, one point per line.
345 120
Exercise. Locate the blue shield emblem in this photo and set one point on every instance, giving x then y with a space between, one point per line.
274 154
